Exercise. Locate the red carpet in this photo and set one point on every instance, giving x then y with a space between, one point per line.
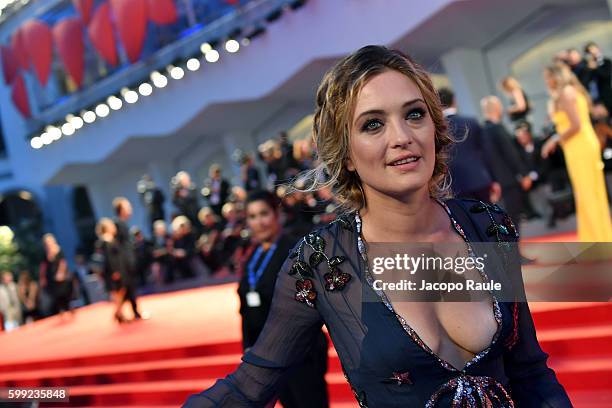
193 338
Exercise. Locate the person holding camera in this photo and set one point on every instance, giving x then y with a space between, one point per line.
152 198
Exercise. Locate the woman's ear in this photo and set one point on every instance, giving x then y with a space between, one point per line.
349 164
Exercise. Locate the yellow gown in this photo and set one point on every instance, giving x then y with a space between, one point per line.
585 167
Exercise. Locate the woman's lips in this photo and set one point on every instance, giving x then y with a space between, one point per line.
407 164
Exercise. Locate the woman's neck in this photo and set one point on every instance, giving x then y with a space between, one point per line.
414 218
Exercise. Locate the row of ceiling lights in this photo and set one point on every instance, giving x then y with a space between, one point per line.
74 122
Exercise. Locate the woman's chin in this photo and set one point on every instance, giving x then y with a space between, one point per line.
406 191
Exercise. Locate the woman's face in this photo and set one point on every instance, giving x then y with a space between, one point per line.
49 243
550 80
262 221
111 228
392 137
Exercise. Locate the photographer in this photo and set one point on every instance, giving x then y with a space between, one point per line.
216 189
600 75
152 199
184 196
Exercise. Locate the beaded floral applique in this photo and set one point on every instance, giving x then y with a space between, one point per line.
335 279
399 378
473 392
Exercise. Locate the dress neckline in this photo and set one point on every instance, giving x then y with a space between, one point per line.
361 246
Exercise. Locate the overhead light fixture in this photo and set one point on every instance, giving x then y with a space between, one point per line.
114 103
102 110
36 142
158 79
193 64
54 133
75 121
205 47
46 138
129 96
68 129
89 117
145 89
212 56
232 46
176 72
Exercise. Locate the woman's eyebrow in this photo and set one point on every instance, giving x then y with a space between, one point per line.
382 112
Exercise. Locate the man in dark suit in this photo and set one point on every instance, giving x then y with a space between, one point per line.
216 189
469 168
579 66
601 74
529 151
508 169
153 199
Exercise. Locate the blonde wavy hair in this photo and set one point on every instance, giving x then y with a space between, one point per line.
509 83
335 104
563 77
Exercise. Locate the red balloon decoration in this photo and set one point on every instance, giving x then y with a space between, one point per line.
100 32
9 63
162 11
232 2
131 21
84 7
38 45
68 38
20 97
19 49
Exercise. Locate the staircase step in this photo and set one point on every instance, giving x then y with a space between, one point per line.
572 315
155 393
167 369
199 350
575 342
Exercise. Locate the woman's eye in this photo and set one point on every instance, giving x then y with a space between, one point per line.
416 114
371 125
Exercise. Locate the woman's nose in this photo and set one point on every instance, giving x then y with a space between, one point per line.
401 134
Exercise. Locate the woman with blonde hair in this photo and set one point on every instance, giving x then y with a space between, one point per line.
569 107
520 108
382 141
112 265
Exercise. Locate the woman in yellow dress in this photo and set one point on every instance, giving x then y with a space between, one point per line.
569 110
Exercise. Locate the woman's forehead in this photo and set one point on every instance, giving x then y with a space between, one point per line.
386 90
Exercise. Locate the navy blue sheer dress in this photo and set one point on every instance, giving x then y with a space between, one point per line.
384 360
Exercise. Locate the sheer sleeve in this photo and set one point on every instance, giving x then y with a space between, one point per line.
532 382
289 332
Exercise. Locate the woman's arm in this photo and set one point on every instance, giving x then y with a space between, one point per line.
62 270
533 384
42 274
568 104
289 332
520 104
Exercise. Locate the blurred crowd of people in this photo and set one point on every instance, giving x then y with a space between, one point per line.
207 233
494 162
